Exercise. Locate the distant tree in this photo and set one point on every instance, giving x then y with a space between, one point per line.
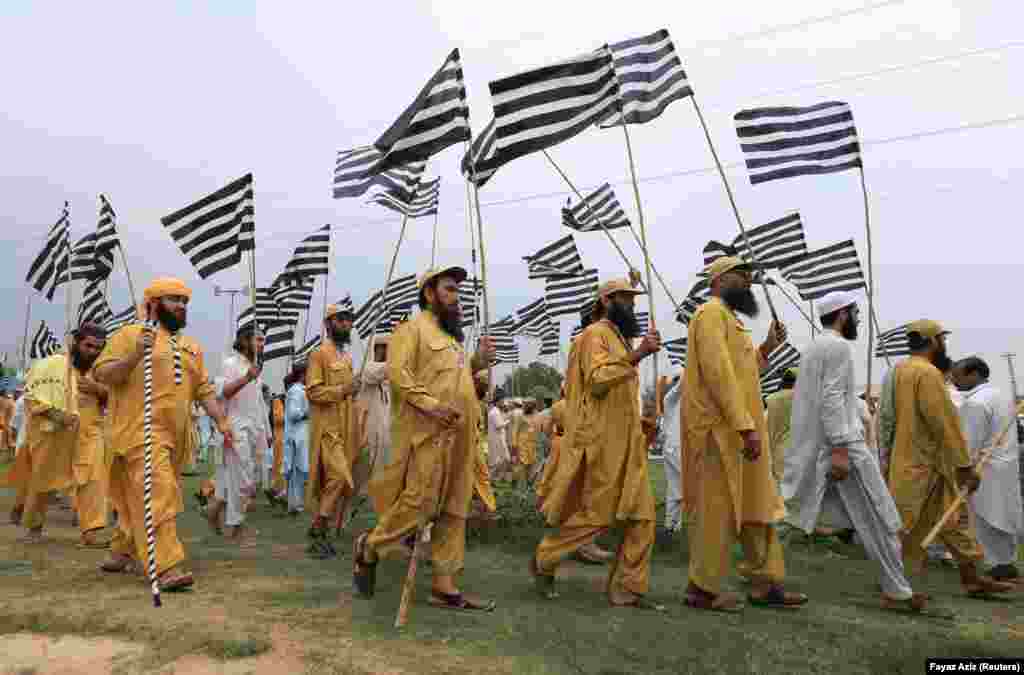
537 380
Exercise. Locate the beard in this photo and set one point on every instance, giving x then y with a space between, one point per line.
341 336
170 320
850 331
942 361
741 300
81 362
624 318
450 318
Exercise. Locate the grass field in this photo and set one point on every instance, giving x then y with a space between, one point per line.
270 609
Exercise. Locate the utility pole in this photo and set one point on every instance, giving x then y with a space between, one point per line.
1013 377
218 291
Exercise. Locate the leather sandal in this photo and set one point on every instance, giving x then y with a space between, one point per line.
119 564
171 581
778 598
460 601
698 598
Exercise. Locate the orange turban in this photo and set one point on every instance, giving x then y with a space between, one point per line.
167 286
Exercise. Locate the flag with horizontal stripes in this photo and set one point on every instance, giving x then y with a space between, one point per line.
786 141
359 169
601 207
83 259
469 299
893 342
43 343
650 77
279 335
94 307
106 238
287 299
560 258
532 320
569 295
782 357
424 200
437 118
118 321
345 305
50 267
715 250
833 268
776 243
505 348
310 258
303 353
676 350
479 163
402 293
214 231
543 107
643 322
549 341
698 295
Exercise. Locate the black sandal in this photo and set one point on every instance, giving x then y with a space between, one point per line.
778 598
461 602
364 574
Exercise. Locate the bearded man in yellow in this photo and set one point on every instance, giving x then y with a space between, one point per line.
482 481
333 438
179 378
737 497
930 460
602 474
434 427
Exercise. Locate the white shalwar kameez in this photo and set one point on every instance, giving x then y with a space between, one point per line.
673 457
247 413
375 394
296 446
497 442
996 505
826 416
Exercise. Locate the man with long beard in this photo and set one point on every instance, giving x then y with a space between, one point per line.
434 429
242 398
375 397
601 479
736 495
930 461
828 465
179 378
330 388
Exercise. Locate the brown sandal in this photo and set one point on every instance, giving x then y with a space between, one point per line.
461 601
119 564
171 581
698 598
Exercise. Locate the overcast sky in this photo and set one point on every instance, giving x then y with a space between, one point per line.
156 104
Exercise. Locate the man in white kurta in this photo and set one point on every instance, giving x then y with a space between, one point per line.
672 425
375 395
498 456
828 465
996 506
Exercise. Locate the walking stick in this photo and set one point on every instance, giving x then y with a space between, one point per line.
147 475
983 458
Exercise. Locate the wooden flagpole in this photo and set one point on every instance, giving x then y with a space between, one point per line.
327 274
732 201
433 246
124 260
384 298
24 343
871 277
476 273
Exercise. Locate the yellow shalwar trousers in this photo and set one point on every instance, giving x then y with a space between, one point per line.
632 568
713 535
34 503
334 490
90 502
956 536
126 493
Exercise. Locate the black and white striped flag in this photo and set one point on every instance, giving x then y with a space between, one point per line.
643 322
549 341
480 163
715 250
783 142
776 243
359 169
833 268
598 208
698 295
94 307
470 291
892 343
676 350
439 117
311 256
120 320
569 295
43 343
546 106
424 201
560 258
345 305
214 231
650 77
83 259
784 356
287 298
106 238
378 310
279 335
303 353
532 320
50 267
505 347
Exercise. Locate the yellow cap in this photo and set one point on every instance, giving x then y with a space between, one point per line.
617 286
926 328
459 273
726 263
165 286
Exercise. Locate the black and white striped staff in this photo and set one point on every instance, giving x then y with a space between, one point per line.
147 427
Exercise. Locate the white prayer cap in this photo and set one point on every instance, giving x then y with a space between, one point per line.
834 301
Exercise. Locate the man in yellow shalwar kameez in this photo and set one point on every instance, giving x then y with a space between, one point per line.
736 495
601 477
333 438
6 418
930 461
778 406
120 368
482 488
434 411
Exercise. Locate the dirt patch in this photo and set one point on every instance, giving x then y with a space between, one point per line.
67 655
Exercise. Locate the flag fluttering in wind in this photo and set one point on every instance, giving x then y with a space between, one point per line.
44 343
533 319
439 117
676 350
776 243
50 267
549 340
279 335
833 268
214 231
359 169
106 239
505 348
650 77
382 310
569 295
119 320
786 141
83 259
310 258
782 357
469 300
424 200
94 307
480 163
345 305
543 107
893 342
596 209
303 353
643 322
698 295
560 258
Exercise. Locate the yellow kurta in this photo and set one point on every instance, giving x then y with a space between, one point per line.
561 496
6 417
556 432
721 398
277 415
333 441
929 446
525 439
779 409
90 464
482 476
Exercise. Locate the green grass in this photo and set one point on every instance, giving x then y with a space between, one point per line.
247 590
